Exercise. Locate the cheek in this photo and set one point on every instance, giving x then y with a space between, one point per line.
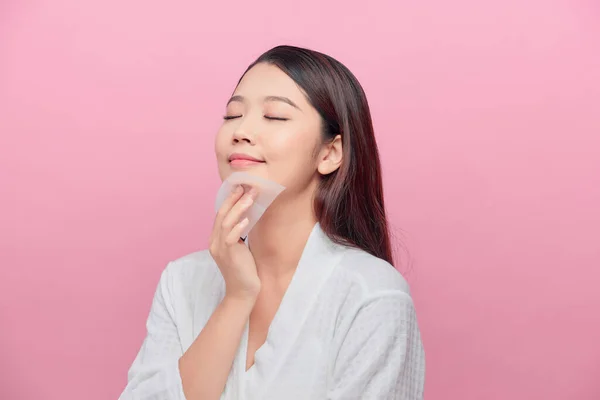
291 158
287 147
221 142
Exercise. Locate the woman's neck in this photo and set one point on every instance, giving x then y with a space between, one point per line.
278 239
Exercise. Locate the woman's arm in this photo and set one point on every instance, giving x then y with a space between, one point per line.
160 370
381 356
206 364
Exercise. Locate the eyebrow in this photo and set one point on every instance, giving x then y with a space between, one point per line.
282 99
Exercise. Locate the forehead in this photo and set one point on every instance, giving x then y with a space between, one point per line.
264 80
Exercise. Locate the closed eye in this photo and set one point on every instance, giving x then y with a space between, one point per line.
276 118
228 117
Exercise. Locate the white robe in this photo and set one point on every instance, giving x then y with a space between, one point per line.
346 329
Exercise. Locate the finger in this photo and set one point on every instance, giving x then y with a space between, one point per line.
237 211
233 236
229 202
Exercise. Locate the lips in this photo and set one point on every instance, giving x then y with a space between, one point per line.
243 157
239 160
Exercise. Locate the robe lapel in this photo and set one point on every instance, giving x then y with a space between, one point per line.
318 260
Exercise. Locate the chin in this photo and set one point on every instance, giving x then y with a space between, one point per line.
227 170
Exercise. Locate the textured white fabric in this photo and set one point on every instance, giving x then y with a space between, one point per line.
346 329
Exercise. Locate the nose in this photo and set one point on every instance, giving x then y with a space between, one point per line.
242 134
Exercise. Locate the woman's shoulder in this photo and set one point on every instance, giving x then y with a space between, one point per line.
198 262
374 275
192 273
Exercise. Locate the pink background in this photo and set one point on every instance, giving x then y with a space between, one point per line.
488 120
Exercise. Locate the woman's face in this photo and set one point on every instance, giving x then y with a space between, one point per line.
270 130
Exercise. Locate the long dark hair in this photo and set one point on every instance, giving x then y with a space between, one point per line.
349 202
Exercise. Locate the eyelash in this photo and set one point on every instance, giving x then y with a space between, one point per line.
229 117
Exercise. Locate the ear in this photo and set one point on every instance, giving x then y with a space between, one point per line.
330 157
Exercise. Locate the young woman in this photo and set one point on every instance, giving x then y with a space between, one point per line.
311 306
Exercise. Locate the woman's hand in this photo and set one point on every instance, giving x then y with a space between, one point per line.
230 253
